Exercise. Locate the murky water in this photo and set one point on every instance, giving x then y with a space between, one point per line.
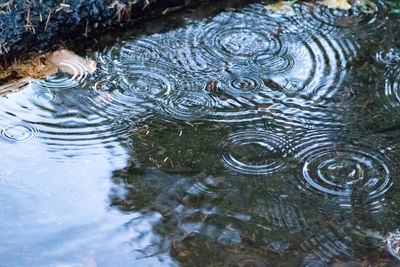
241 137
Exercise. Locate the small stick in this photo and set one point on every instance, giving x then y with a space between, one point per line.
48 19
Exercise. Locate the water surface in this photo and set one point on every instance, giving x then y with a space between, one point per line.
238 137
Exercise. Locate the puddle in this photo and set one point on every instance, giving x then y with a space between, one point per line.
247 137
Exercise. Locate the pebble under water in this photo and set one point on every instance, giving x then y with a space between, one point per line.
243 137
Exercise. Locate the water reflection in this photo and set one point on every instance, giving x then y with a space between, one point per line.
247 137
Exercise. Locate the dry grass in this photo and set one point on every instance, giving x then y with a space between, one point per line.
7 5
34 68
123 11
16 77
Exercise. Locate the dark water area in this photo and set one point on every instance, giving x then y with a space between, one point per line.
234 137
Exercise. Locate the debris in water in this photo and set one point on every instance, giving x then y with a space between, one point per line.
212 86
68 62
341 4
19 75
170 10
393 243
283 7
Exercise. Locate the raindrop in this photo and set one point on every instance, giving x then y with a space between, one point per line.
240 83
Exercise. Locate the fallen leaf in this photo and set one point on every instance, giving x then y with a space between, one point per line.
283 7
69 62
341 4
17 76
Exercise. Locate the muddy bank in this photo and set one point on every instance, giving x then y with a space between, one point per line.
30 26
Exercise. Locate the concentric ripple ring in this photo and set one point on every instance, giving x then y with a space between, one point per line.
344 170
236 43
188 105
254 152
18 132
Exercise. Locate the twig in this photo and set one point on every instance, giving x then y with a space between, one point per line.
7 4
28 25
122 9
146 4
3 48
48 19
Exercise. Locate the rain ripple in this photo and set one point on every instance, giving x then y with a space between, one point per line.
52 117
344 169
234 37
270 68
17 132
254 152
133 90
77 136
188 105
135 51
312 16
272 63
390 95
240 83
73 72
312 66
189 56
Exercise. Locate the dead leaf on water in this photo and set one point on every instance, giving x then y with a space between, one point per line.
341 4
19 75
283 7
68 62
